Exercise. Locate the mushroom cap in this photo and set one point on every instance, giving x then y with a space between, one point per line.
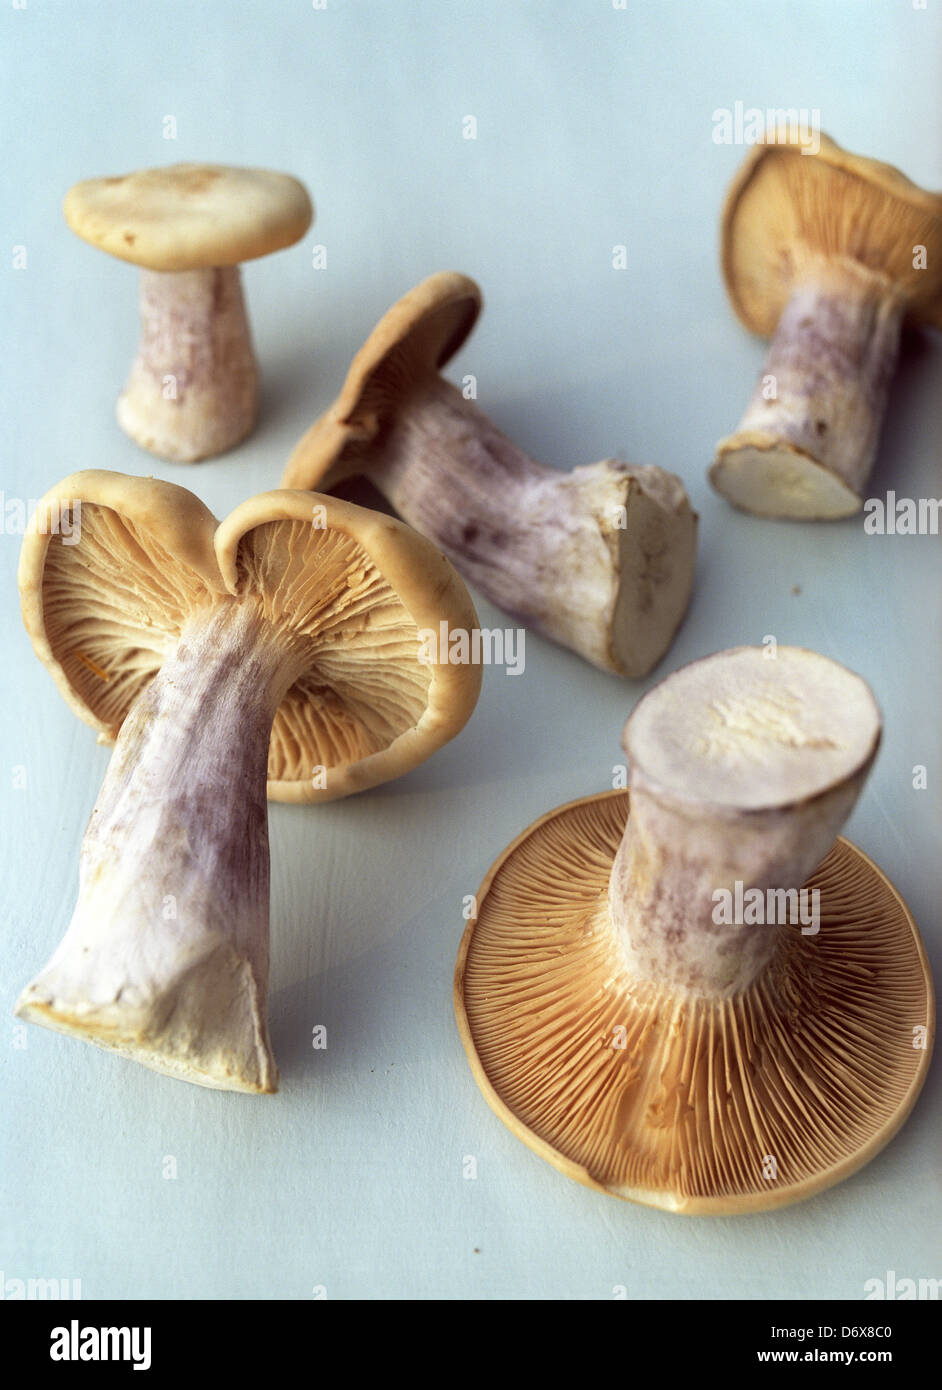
349 588
751 731
411 342
814 1065
787 207
190 216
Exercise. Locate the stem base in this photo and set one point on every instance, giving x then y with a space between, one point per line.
166 956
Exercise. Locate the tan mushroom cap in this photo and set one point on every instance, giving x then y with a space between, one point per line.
411 342
190 216
349 587
815 1065
786 208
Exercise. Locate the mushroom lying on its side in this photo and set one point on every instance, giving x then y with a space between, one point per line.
193 388
825 253
282 643
639 1027
600 560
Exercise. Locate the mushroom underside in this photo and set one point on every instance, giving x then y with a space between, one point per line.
115 605
692 1104
308 670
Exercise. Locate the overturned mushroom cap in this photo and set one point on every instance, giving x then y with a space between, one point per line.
190 216
348 589
633 1070
789 207
413 340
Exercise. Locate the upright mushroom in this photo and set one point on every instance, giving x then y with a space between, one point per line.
650 1002
284 642
600 559
193 388
825 253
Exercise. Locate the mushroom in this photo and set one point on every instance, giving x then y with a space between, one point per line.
825 253
651 1042
193 388
284 642
600 559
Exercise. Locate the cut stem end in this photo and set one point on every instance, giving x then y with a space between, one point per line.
806 444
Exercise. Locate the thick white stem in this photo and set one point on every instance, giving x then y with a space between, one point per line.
806 444
193 387
599 559
166 956
744 766
674 859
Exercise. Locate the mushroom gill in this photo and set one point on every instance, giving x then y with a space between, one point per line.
113 606
323 590
674 1099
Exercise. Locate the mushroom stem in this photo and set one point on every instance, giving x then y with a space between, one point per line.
193 387
743 770
576 555
808 439
166 955
671 862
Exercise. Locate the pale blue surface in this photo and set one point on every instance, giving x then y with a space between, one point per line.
594 129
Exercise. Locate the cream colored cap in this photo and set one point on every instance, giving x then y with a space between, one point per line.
792 201
190 216
411 343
